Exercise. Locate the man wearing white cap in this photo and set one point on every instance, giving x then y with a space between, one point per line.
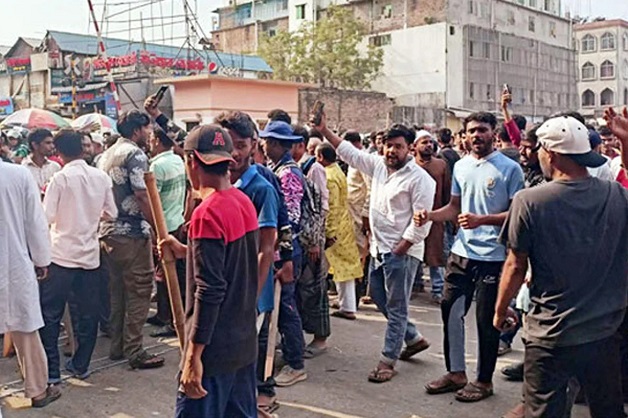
573 232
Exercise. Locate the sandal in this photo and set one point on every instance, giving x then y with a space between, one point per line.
52 394
473 393
443 385
344 315
146 361
414 349
381 375
312 351
270 408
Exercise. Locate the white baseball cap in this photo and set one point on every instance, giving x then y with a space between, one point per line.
566 135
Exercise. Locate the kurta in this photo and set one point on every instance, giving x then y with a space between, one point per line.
343 256
24 243
358 191
434 245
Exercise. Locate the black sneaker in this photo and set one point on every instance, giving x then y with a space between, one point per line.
156 321
164 332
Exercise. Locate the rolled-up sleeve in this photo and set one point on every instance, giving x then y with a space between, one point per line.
422 195
360 160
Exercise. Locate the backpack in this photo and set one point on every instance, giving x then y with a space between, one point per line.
312 223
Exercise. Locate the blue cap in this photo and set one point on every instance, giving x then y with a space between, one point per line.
594 138
280 131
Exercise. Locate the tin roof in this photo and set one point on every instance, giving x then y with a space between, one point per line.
88 45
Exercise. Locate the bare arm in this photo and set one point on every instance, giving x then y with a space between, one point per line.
447 213
513 276
265 256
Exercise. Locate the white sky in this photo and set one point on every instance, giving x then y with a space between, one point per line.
31 18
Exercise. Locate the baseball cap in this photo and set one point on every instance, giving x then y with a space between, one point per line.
567 136
281 131
210 143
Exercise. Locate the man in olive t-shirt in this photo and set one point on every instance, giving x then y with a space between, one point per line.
573 230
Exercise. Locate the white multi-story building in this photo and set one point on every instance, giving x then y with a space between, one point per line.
603 65
442 57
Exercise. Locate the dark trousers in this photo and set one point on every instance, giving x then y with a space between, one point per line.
623 334
596 365
463 278
81 287
264 387
229 395
312 299
290 328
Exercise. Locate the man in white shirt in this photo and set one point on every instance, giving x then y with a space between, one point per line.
399 187
37 162
24 258
76 199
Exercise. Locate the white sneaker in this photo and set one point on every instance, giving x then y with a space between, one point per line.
288 376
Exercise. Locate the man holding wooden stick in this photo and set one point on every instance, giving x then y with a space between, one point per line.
218 366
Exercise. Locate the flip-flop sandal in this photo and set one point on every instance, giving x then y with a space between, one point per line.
147 361
381 375
270 408
414 349
447 387
344 315
313 351
473 393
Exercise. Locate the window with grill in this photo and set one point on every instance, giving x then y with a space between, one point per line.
588 98
588 43
588 71
607 69
607 41
607 98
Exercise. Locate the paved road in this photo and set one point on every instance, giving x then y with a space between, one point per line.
336 387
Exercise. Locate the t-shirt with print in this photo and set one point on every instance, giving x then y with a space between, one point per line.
485 186
266 202
575 235
223 242
126 164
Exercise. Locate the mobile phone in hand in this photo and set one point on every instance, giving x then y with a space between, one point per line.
317 113
160 94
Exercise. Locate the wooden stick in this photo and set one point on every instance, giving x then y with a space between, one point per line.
167 260
272 333
7 349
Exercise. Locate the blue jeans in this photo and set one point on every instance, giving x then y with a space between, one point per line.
229 395
80 287
391 278
437 278
290 326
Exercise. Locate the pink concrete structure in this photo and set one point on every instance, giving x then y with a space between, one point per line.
200 98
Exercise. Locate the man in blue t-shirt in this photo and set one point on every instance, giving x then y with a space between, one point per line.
483 185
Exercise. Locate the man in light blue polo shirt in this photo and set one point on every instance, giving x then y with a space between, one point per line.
483 186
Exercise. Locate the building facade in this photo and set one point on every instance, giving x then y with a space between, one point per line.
62 72
602 66
442 58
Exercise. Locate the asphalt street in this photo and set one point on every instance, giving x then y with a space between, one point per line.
337 385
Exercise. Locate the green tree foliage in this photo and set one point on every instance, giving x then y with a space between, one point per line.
326 52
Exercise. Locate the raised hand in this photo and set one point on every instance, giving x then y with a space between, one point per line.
618 123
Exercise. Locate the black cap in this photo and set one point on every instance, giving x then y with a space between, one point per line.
211 144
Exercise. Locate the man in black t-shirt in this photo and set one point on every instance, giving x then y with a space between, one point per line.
573 232
447 152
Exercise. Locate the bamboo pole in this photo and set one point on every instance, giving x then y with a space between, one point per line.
167 258
272 333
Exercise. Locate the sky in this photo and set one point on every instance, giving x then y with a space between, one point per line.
31 18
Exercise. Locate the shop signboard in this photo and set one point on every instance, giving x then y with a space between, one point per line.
6 106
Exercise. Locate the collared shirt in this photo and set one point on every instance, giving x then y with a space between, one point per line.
317 175
43 174
358 191
125 163
394 199
170 178
292 185
77 198
485 186
266 202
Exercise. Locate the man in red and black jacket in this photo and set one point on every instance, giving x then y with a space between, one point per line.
217 376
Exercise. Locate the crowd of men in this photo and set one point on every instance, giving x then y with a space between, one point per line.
529 221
